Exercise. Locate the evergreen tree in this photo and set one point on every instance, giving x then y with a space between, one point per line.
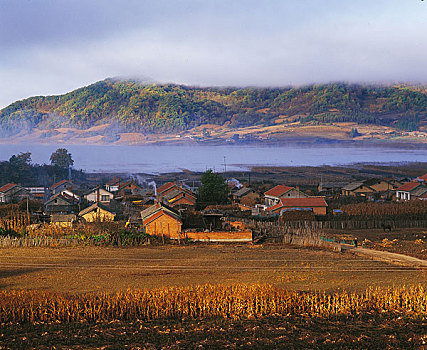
213 190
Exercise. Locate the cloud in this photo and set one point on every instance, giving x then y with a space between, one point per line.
50 47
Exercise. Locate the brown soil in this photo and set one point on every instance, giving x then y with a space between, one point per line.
86 269
407 241
363 332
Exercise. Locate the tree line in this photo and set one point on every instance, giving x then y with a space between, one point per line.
21 170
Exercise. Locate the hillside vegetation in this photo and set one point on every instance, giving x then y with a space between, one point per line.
131 106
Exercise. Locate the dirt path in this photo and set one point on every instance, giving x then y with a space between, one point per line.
393 258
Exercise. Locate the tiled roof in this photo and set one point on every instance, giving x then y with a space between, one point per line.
157 208
94 207
352 186
409 186
308 202
165 187
127 183
63 218
243 191
420 191
65 197
114 181
423 177
176 192
59 183
7 187
278 191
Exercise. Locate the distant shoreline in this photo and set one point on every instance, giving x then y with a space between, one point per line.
302 141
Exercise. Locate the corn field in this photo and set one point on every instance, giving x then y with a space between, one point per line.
236 301
14 221
409 209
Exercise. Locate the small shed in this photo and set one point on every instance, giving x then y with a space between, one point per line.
97 212
63 220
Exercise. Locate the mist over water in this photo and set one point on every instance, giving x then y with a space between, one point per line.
168 158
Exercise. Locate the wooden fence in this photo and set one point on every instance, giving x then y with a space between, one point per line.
303 233
12 242
368 224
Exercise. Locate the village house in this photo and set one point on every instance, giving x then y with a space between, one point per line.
317 205
61 203
410 191
233 184
158 220
100 195
179 197
246 196
113 185
330 188
367 188
63 220
420 193
12 193
422 178
165 188
129 188
273 196
97 212
61 186
174 195
39 193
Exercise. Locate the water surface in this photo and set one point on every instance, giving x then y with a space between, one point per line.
168 158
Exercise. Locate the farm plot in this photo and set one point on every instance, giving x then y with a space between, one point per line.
92 269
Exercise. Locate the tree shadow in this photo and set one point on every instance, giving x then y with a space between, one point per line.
12 272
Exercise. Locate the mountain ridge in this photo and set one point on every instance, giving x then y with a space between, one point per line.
131 106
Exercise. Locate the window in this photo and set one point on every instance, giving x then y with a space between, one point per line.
105 198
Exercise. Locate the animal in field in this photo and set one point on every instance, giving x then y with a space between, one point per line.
386 227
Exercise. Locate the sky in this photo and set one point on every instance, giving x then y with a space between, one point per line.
50 47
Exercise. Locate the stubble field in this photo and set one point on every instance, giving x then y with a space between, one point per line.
80 270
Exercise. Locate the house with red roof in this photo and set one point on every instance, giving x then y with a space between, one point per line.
114 184
422 178
12 193
174 195
160 220
179 197
410 191
317 205
273 196
61 186
129 188
167 187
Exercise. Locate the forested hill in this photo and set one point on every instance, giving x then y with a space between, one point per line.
132 106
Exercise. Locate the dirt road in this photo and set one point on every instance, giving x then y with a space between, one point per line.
392 258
